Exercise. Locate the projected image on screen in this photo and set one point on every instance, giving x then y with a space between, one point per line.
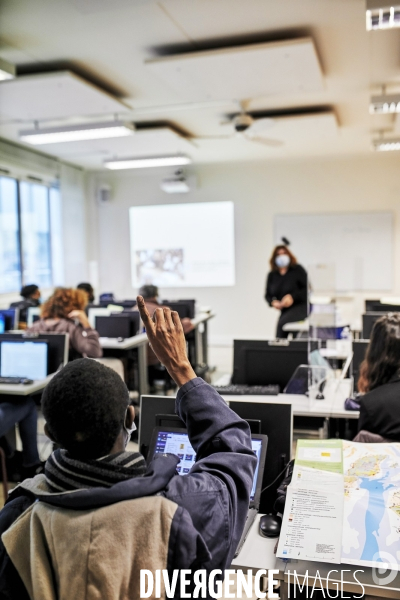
183 245
164 266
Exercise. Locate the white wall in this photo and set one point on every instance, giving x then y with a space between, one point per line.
74 225
259 191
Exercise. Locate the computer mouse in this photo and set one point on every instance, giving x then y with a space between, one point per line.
270 526
120 339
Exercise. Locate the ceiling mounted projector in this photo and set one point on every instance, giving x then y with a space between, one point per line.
147 161
384 104
382 14
175 185
7 70
75 133
386 145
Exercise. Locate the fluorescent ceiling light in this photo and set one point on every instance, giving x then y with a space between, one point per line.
7 70
149 161
381 14
386 145
390 300
74 133
385 104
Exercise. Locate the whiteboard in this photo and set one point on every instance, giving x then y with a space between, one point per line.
342 252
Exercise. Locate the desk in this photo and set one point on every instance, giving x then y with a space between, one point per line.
297 327
200 323
335 393
258 552
19 389
138 342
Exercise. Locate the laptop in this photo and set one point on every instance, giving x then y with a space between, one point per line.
176 441
23 359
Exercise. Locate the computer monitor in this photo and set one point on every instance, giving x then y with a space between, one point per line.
94 312
134 317
2 324
126 303
276 422
185 308
23 358
359 350
259 362
58 346
33 314
11 318
368 322
378 306
114 326
175 421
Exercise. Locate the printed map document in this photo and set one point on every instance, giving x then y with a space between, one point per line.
343 504
313 518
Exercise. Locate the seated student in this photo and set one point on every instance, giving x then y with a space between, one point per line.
31 297
88 289
379 380
64 313
98 515
22 411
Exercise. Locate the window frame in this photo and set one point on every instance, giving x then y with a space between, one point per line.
49 186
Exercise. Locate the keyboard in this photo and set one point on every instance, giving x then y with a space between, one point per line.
243 390
16 380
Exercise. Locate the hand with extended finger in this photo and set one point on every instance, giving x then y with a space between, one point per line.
167 340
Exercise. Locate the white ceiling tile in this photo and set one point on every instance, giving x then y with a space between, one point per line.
54 96
242 72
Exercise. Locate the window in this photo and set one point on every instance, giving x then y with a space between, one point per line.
27 220
10 264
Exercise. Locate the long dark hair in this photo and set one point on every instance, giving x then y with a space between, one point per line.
293 259
382 359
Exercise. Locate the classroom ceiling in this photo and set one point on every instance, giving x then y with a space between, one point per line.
181 70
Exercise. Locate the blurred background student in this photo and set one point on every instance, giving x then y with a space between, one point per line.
64 312
30 297
379 380
287 288
88 289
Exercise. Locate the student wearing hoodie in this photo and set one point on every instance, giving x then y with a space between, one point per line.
97 516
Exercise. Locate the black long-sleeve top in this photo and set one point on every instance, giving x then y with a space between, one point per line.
380 410
293 282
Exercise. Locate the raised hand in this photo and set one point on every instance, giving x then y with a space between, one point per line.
167 340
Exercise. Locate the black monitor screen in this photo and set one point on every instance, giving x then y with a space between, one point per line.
114 326
377 306
185 308
264 363
368 322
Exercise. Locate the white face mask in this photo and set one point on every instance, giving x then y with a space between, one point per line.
282 261
131 429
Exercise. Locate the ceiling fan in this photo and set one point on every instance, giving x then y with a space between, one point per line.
248 128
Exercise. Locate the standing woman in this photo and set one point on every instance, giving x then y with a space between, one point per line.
287 288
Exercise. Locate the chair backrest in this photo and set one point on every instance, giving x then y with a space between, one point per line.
113 363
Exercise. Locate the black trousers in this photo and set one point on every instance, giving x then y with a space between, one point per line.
297 312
